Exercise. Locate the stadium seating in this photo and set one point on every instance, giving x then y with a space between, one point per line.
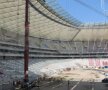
43 48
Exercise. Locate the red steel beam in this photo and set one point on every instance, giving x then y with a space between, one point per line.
26 48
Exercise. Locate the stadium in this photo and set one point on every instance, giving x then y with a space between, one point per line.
42 47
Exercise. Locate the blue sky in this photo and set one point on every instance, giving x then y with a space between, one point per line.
87 11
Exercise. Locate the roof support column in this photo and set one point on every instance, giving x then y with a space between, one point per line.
26 48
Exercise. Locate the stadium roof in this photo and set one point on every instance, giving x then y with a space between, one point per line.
47 23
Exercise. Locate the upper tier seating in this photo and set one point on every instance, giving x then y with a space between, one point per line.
12 46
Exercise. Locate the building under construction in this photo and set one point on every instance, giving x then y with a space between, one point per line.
41 45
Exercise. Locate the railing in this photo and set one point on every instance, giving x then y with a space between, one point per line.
6 86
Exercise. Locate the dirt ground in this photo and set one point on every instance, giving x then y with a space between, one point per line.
79 74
